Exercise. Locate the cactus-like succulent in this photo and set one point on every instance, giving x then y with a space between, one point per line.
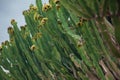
51 46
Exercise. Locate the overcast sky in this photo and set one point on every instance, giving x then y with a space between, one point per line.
12 9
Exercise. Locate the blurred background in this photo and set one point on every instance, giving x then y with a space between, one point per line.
12 9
